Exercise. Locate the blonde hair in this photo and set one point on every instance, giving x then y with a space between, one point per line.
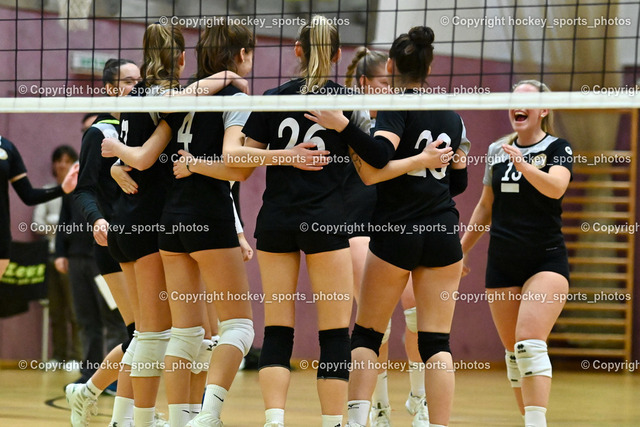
364 63
547 121
162 46
320 43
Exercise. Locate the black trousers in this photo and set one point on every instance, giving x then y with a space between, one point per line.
93 315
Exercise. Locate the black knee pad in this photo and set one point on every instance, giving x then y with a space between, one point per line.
276 347
430 343
335 354
131 327
367 338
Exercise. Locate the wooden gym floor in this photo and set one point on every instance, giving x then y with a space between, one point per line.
483 398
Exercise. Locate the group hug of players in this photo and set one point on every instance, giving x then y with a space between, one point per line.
416 159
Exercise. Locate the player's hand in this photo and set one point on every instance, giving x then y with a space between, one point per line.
515 155
100 228
71 180
306 158
120 174
329 119
433 157
110 147
62 265
180 166
247 250
465 265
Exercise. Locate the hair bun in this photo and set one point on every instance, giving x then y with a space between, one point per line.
421 36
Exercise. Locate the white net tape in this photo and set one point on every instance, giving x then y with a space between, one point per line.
76 11
492 101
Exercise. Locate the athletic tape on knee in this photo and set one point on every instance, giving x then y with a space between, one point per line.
367 338
513 372
411 319
335 354
276 347
431 343
532 358
387 333
148 359
127 359
238 333
185 342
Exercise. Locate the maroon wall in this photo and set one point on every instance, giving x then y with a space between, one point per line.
474 337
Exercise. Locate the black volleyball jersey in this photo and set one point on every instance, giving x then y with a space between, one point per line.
144 207
96 192
293 196
521 215
417 194
11 165
202 134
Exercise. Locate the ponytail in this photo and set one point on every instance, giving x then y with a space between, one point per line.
364 63
320 43
163 45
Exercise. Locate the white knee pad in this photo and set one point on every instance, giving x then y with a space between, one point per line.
127 358
238 333
532 358
411 319
385 337
148 359
203 357
185 342
513 372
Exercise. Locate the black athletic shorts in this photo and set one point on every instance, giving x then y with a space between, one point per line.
185 233
507 267
432 242
5 249
295 241
133 243
105 262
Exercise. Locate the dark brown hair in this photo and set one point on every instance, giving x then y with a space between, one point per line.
163 45
218 47
412 53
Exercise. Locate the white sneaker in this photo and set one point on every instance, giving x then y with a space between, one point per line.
417 406
274 425
82 407
353 424
159 420
380 416
205 419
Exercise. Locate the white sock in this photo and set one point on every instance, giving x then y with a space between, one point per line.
179 414
436 425
195 409
535 416
416 379
144 417
214 396
358 411
380 393
332 421
90 390
122 411
274 415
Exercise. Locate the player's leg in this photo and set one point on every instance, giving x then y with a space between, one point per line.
416 403
201 366
279 276
536 318
223 273
333 294
182 279
435 315
381 288
153 336
504 304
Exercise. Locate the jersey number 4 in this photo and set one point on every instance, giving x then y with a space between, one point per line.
438 173
292 124
184 136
